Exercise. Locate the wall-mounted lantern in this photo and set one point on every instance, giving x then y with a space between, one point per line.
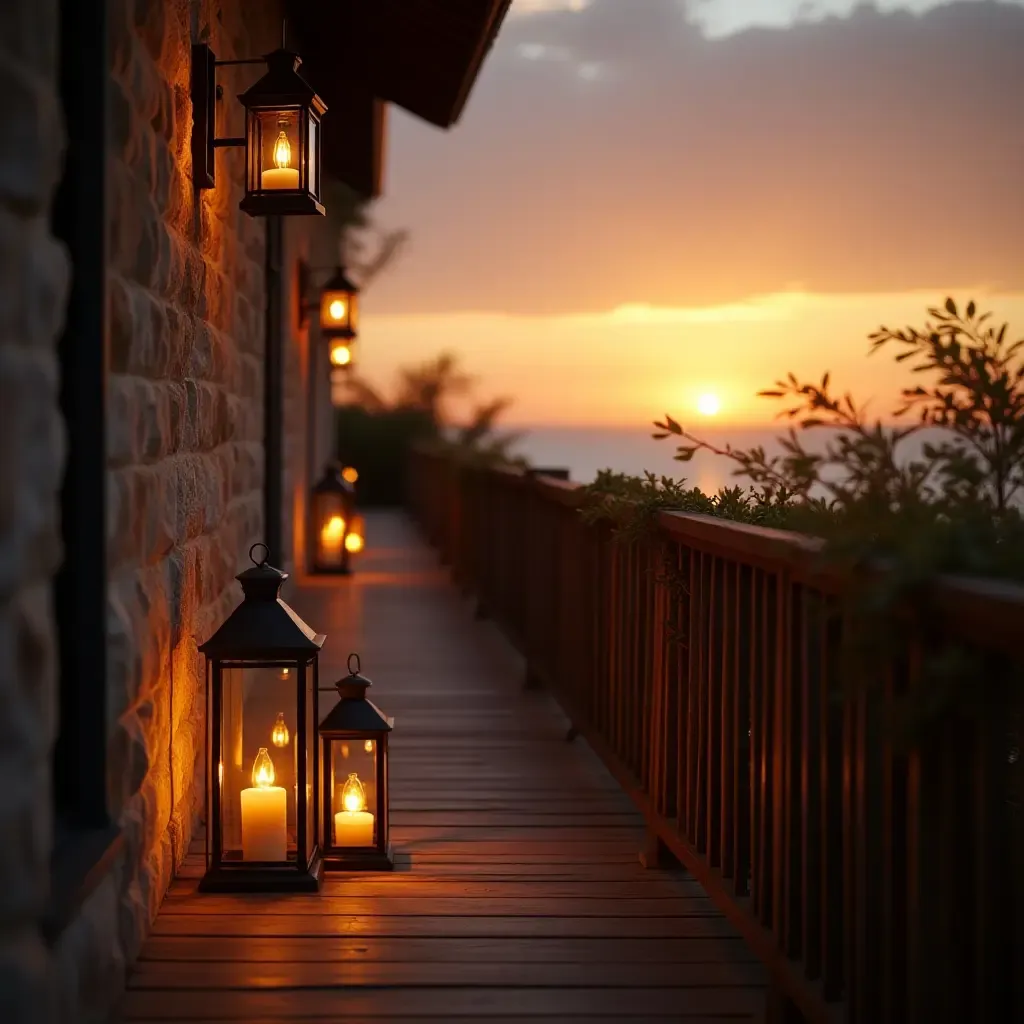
261 807
337 302
282 134
354 751
332 507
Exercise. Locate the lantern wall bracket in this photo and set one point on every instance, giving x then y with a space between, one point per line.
205 93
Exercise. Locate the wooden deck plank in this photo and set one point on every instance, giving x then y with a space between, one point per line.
517 893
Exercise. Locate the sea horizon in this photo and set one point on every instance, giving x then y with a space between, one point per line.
586 450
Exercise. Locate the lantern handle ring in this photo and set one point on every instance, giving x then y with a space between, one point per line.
354 671
262 561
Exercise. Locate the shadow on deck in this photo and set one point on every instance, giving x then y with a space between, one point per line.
518 894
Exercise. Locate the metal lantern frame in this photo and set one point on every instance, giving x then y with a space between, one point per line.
263 632
331 485
282 93
355 719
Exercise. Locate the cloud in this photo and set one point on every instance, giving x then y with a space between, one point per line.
616 157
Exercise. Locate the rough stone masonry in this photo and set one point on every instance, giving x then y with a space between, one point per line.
185 466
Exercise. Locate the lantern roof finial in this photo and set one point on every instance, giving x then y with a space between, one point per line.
262 626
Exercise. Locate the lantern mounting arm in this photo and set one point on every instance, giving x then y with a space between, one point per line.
205 93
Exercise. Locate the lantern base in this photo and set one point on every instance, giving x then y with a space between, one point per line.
283 204
264 879
360 860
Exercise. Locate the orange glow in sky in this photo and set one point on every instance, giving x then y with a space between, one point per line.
632 364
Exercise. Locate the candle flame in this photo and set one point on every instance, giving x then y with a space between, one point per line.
353 798
263 770
368 746
353 543
282 151
333 531
341 355
279 734
336 309
350 473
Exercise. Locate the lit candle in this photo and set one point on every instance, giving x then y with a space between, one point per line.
354 825
264 814
279 177
331 537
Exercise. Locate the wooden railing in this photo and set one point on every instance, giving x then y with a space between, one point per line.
880 882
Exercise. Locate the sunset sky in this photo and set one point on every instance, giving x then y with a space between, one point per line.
648 201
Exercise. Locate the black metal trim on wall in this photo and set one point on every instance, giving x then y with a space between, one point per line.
85 842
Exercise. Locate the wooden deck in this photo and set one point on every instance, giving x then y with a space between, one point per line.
518 894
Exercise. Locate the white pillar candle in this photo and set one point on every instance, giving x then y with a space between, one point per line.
280 177
264 823
353 828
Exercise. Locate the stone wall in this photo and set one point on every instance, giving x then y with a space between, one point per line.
185 452
33 286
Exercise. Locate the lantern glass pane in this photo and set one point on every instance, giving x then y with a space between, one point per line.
313 155
330 524
335 309
280 149
309 696
257 773
353 792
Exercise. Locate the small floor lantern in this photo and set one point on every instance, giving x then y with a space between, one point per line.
332 507
261 806
354 757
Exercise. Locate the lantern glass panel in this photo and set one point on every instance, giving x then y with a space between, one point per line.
258 778
309 697
353 792
282 156
313 153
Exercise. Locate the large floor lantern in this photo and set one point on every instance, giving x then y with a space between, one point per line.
354 755
332 508
262 758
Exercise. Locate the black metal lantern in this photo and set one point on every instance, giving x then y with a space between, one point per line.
262 776
282 133
354 755
282 141
339 306
332 508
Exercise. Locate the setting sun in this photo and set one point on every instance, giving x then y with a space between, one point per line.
708 405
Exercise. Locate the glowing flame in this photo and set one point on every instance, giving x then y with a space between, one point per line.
353 798
341 355
263 770
354 543
368 746
282 151
336 309
350 474
279 734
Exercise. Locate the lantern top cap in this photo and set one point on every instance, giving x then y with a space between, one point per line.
355 684
282 85
263 626
339 281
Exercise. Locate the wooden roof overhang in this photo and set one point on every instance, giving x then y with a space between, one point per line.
360 55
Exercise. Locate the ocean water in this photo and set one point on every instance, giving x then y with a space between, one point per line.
584 451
